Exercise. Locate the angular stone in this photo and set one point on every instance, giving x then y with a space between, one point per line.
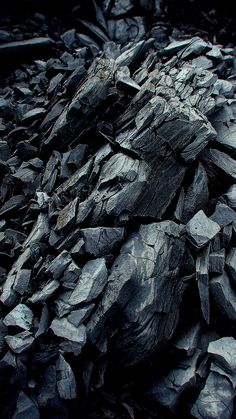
201 229
143 284
66 330
231 196
168 390
33 114
231 263
224 295
58 265
202 278
67 215
21 342
187 340
45 293
222 352
223 215
26 408
216 398
21 316
100 241
66 384
217 262
91 282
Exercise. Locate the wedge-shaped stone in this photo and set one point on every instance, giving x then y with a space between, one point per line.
91 282
21 316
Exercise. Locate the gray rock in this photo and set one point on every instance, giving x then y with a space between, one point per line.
91 282
76 317
70 276
67 215
223 215
231 262
21 342
197 195
144 283
222 352
58 265
217 262
201 229
25 408
231 196
66 330
100 241
168 390
216 398
224 295
21 316
33 114
222 161
187 340
66 384
45 293
202 278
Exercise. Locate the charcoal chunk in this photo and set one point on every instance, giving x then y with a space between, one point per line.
168 390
